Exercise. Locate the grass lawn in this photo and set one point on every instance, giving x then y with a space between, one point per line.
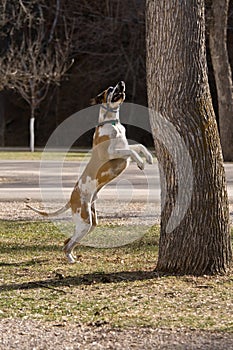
114 286
20 155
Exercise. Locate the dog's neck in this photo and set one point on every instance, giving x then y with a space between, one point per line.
108 115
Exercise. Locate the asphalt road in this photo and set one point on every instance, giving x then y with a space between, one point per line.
27 179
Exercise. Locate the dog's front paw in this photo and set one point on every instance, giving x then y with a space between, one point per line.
141 165
149 158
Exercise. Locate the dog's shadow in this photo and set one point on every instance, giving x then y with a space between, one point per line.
60 281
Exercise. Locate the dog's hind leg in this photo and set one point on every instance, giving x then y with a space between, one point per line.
83 224
94 215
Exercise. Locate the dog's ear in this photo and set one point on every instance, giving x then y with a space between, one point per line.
93 101
99 98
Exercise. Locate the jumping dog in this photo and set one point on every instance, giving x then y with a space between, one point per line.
110 157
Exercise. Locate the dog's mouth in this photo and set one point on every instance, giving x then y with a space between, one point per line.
118 96
119 92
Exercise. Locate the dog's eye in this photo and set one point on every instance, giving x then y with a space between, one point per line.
110 89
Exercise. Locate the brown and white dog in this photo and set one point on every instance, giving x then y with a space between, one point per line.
110 156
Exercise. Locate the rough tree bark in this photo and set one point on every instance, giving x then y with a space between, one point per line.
2 121
222 73
194 235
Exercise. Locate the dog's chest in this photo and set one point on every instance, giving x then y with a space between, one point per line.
109 132
113 131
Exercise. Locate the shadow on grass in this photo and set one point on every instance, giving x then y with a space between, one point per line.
86 279
23 263
29 248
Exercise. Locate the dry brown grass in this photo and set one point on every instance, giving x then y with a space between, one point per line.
115 287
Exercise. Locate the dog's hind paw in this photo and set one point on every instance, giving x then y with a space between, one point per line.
70 258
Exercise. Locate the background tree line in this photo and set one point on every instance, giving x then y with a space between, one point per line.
107 42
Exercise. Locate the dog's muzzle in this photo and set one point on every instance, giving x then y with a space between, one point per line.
119 91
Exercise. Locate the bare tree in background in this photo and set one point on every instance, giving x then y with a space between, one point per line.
34 57
112 32
108 43
222 72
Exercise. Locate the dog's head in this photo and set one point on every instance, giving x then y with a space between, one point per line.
112 96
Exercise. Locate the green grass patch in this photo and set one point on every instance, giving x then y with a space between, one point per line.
70 156
114 286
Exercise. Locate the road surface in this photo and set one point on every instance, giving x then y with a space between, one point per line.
26 179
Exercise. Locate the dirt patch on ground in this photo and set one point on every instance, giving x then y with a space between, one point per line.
108 211
26 334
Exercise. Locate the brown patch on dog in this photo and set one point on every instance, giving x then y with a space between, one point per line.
85 215
100 98
109 170
99 139
75 200
77 205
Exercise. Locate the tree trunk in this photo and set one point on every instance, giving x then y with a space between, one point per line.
222 73
195 236
2 121
32 130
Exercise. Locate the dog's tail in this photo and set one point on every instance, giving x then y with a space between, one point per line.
54 213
